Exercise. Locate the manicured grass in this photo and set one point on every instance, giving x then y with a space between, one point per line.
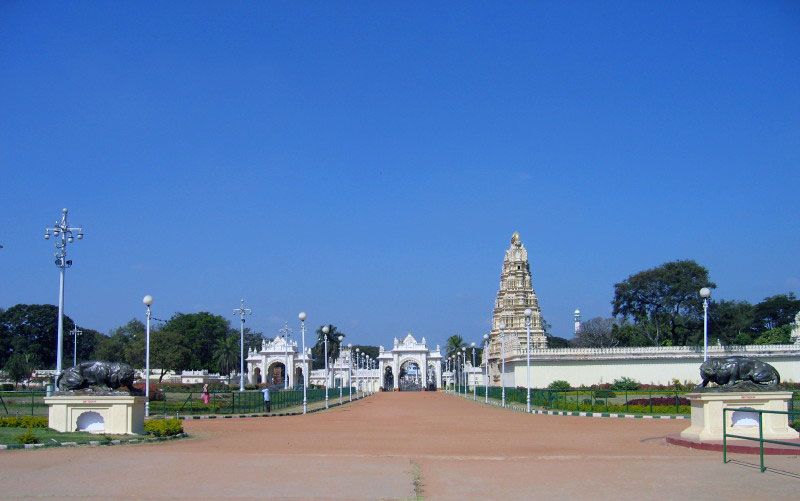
8 436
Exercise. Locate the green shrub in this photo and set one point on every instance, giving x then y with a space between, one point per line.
163 427
23 422
28 437
560 385
626 383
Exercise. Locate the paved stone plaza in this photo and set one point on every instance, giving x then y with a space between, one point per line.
372 449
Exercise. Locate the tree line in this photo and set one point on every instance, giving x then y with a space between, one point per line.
187 341
662 306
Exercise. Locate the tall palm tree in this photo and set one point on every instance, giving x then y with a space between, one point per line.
226 353
453 344
318 351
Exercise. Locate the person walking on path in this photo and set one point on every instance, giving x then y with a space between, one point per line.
267 406
205 396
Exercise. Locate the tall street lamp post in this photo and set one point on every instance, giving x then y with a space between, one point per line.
486 368
464 368
342 379
302 317
63 234
453 372
528 313
503 361
148 301
444 374
242 312
358 356
474 385
75 333
350 371
325 330
705 293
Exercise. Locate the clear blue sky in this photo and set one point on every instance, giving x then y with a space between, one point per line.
368 161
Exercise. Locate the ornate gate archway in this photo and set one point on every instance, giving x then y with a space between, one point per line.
410 376
276 374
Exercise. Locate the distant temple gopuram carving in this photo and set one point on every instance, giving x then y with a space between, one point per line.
513 298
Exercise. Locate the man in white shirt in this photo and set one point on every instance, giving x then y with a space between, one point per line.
267 406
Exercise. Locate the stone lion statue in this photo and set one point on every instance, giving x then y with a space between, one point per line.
729 371
110 374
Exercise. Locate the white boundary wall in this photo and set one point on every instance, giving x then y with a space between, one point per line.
656 365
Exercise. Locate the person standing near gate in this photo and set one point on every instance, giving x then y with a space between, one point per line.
267 406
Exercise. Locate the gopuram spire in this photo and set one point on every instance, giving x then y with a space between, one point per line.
513 298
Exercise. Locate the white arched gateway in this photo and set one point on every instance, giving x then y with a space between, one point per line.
409 365
269 364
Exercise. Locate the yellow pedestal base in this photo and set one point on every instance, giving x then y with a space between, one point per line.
707 415
111 414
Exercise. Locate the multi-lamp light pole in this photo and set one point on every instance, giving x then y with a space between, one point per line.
350 371
503 361
528 314
75 333
474 382
302 317
325 331
705 293
148 301
486 368
63 235
242 312
341 380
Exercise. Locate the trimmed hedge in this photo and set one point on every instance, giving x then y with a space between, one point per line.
600 406
23 422
163 427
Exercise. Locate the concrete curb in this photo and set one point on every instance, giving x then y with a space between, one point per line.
92 443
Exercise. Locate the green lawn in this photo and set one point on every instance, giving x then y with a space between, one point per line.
8 436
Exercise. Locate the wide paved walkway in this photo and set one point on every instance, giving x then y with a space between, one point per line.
384 445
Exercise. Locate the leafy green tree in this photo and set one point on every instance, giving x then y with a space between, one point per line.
559 385
32 329
558 342
732 322
664 302
777 335
199 333
87 344
226 354
17 368
252 339
111 349
168 354
776 311
372 351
